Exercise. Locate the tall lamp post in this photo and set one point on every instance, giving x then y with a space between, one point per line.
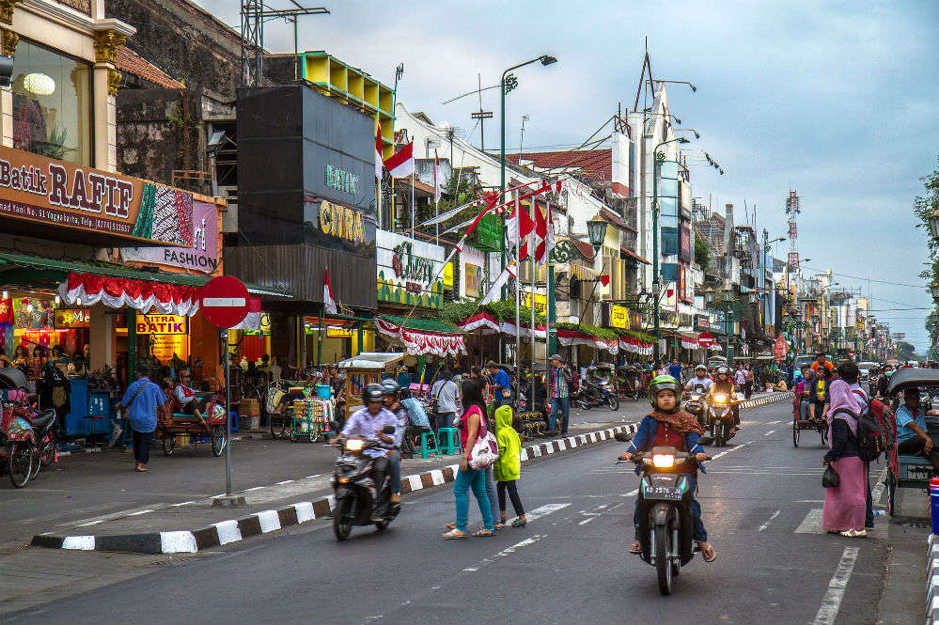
509 82
657 160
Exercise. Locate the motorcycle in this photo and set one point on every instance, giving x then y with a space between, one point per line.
664 513
719 418
590 396
354 489
44 425
694 403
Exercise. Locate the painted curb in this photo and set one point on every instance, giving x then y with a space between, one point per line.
932 580
266 521
770 399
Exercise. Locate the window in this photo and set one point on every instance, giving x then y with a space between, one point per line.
52 104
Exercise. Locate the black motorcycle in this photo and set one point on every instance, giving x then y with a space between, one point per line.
354 489
694 403
593 395
719 418
664 513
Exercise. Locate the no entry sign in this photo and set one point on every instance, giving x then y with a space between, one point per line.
705 340
224 301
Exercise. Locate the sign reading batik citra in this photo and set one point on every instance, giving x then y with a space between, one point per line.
162 324
342 222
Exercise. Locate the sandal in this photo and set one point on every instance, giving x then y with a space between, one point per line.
455 534
484 533
519 523
140 469
499 525
635 548
450 526
708 553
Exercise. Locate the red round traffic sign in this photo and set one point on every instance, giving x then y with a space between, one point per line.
705 340
224 301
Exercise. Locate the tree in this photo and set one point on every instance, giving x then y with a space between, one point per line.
702 252
923 207
905 351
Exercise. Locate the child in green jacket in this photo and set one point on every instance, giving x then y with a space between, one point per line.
508 467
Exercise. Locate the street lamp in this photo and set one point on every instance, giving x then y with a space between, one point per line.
656 284
680 82
596 232
509 82
696 135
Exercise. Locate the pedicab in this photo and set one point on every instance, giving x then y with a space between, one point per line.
366 368
171 424
907 470
18 450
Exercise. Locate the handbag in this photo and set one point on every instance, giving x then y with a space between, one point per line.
830 478
485 450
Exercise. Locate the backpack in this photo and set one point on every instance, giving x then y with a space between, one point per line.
885 418
871 442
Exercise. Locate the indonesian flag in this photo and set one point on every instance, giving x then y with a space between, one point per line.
328 302
544 236
438 178
378 150
510 271
519 225
401 164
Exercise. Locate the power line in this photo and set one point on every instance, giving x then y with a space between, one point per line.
845 275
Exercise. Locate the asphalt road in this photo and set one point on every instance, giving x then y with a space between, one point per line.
83 487
569 565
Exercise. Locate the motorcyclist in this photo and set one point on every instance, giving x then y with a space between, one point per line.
368 423
700 380
668 425
725 384
393 404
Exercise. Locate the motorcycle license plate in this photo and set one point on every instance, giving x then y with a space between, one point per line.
662 492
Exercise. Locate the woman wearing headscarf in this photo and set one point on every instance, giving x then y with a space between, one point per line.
846 504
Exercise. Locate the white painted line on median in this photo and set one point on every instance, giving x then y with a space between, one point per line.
545 510
268 520
178 542
770 432
183 503
831 603
282 482
878 490
89 523
248 490
765 525
228 532
81 543
139 512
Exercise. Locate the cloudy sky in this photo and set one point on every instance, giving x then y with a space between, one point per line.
837 100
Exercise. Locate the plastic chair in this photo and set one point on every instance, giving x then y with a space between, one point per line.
449 441
425 452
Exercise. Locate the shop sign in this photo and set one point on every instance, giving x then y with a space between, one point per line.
202 255
70 318
472 277
407 265
161 324
341 180
342 222
39 189
619 316
702 322
337 332
409 272
541 302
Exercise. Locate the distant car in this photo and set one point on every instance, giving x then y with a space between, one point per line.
865 369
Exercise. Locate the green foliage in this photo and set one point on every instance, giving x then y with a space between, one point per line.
906 351
702 252
592 331
503 310
923 207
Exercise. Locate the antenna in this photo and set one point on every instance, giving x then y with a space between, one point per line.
792 210
253 16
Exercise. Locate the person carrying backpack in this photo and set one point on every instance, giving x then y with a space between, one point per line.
844 508
849 372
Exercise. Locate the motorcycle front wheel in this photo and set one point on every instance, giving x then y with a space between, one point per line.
342 521
20 463
663 566
613 402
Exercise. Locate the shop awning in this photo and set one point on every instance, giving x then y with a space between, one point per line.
485 323
634 256
85 289
689 341
422 336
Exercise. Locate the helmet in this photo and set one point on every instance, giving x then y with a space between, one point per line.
372 392
662 383
390 387
723 370
700 368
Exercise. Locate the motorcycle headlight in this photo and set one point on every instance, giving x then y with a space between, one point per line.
695 397
355 444
343 480
720 398
663 461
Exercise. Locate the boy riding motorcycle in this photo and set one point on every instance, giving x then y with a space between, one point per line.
725 384
669 426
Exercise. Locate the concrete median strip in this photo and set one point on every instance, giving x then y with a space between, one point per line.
265 521
932 580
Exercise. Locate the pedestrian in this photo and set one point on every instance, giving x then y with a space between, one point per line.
740 377
559 379
748 382
471 425
501 384
445 395
849 372
404 378
508 468
675 370
142 399
844 508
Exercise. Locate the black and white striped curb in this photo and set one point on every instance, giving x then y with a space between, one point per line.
932 580
233 530
769 399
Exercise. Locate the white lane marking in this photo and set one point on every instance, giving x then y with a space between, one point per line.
588 520
506 552
765 525
771 422
770 432
91 523
878 490
724 453
248 490
831 603
632 492
184 503
812 523
139 512
282 482
545 510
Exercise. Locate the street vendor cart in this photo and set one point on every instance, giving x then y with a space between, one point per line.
363 369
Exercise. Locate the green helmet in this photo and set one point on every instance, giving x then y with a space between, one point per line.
662 382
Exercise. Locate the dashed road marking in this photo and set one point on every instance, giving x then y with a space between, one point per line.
831 603
770 432
724 453
765 525
812 523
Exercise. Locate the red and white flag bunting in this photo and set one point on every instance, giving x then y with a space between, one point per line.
379 148
401 163
85 289
329 303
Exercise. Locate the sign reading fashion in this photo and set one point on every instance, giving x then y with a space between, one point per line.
202 255
40 189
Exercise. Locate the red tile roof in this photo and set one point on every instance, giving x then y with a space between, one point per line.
596 164
128 61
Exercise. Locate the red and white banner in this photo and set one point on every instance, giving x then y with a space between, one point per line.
85 289
482 322
329 303
689 342
573 337
379 147
635 346
438 178
401 164
417 342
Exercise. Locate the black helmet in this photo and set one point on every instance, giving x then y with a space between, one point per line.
390 387
372 392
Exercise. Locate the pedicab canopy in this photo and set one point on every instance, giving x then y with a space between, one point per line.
912 378
366 368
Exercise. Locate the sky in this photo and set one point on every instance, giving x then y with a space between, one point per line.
837 100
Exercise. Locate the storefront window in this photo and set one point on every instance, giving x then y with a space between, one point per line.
52 103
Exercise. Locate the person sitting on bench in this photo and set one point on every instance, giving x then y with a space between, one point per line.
187 402
912 437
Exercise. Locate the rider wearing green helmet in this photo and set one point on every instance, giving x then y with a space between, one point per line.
670 426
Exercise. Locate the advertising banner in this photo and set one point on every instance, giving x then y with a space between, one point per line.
202 255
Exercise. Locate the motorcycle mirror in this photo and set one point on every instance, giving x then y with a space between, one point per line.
622 437
388 429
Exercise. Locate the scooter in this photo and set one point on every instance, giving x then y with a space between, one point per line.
694 403
590 396
664 513
354 488
720 418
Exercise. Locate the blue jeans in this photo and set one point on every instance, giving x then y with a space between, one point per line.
443 420
559 405
804 409
394 471
491 493
698 533
475 479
